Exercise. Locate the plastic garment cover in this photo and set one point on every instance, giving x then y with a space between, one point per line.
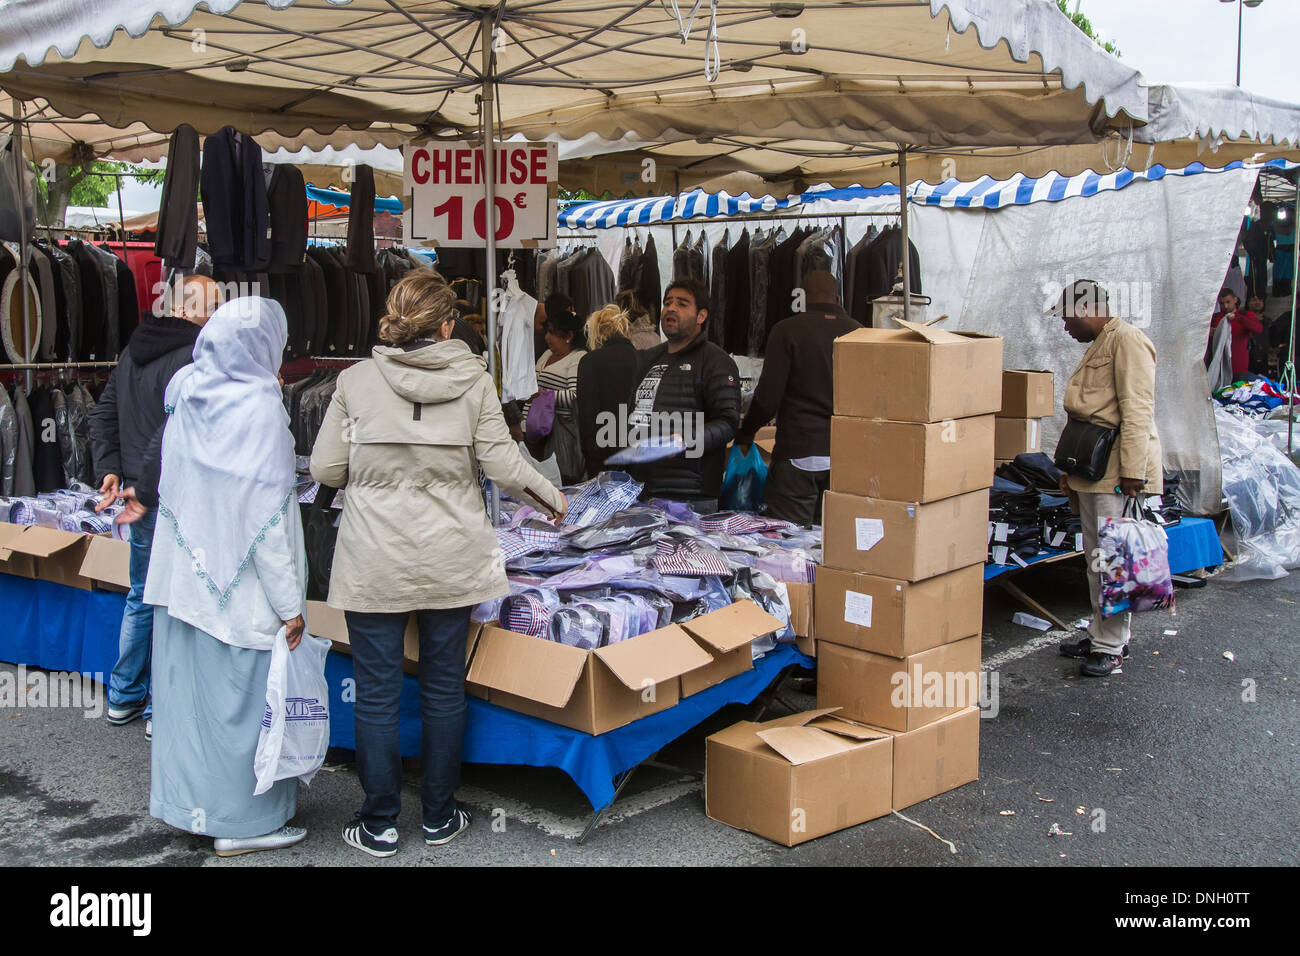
742 484
1134 563
8 444
580 625
1262 488
772 597
599 499
680 512
626 527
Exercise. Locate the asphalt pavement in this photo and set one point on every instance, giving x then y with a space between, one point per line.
1185 758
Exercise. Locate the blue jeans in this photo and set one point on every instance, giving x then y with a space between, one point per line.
376 641
129 682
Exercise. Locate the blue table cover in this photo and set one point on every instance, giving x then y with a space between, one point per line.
59 628
1193 544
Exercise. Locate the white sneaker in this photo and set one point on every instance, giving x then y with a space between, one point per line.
148 729
279 840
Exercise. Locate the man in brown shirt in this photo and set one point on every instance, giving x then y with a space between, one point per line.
1114 386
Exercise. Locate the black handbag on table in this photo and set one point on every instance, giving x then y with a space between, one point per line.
1084 449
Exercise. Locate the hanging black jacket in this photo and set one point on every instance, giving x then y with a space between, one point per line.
94 299
47 459
286 201
605 377
700 378
233 188
178 215
130 410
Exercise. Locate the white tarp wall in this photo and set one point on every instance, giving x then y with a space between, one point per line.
1160 248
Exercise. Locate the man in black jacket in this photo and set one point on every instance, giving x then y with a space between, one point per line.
690 387
795 386
123 426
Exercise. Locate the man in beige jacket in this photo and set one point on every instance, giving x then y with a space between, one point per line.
1114 386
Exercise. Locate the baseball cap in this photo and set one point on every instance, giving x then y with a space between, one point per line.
1083 293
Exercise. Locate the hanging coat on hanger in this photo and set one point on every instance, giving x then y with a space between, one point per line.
233 188
717 324
361 221
178 215
286 202
736 314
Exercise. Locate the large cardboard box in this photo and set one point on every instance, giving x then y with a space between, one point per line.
727 635
936 758
14 562
917 373
906 540
899 693
108 563
911 461
592 691
1027 394
798 778
898 618
1017 436
58 554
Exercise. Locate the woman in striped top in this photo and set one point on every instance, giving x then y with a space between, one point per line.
557 370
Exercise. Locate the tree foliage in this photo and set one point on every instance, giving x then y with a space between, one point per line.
1084 24
58 186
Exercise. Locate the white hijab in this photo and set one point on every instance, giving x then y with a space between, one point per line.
227 454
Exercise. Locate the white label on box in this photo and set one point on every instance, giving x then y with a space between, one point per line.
1000 531
1000 554
870 533
857 608
1033 433
1078 541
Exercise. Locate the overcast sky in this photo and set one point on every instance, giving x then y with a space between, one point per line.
1173 41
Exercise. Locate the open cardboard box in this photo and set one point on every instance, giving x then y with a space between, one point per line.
726 634
917 373
802 617
14 562
108 563
58 554
597 691
799 777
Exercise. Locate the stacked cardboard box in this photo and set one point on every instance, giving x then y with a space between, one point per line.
1027 398
899 600
74 559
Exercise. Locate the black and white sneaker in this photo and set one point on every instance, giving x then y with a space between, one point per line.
117 716
376 844
459 822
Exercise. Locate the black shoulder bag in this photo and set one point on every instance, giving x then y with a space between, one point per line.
1083 449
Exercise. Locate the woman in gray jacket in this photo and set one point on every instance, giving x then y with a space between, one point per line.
405 434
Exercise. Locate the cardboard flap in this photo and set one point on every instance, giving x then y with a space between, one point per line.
931 334
42 542
846 728
648 659
803 744
799 719
108 559
525 666
732 627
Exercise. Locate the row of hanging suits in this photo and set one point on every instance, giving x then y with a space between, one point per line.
871 268
638 272
580 273
35 458
752 281
85 295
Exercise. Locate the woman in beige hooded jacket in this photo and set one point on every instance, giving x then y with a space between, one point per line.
405 435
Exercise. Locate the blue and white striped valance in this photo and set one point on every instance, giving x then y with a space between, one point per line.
983 193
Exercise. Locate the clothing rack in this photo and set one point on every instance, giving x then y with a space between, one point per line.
55 366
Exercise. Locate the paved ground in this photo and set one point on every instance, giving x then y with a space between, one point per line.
1185 770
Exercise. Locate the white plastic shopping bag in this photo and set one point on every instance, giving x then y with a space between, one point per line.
296 723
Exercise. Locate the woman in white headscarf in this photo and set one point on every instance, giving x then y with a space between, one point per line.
227 575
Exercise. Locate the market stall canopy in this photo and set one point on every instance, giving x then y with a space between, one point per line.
939 73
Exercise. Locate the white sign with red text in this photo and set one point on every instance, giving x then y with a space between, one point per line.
448 206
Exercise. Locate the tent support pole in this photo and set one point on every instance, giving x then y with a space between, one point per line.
1289 376
907 249
487 111
22 233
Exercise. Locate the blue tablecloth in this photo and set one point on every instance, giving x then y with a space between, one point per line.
1193 544
60 628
